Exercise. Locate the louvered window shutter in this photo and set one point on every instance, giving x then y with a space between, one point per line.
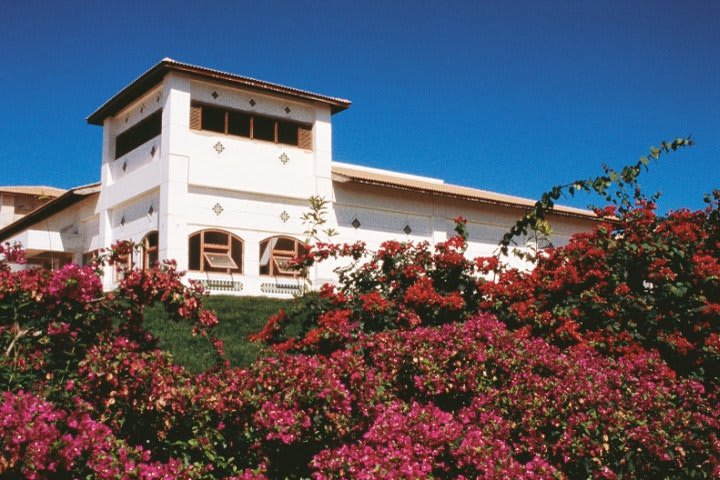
305 137
195 117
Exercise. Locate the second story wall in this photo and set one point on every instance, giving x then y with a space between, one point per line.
247 155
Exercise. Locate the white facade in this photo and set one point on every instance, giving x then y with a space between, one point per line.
188 179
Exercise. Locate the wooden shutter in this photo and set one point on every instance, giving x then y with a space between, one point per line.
195 117
305 137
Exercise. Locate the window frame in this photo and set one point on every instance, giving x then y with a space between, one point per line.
226 249
146 122
147 249
274 268
208 256
299 126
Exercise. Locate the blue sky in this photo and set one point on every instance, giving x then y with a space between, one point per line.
506 96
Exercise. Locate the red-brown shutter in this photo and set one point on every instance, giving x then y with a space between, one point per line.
195 117
305 137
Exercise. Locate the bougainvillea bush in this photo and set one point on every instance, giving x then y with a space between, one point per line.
419 363
640 280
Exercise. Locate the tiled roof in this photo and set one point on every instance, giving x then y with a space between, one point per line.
154 76
38 191
346 173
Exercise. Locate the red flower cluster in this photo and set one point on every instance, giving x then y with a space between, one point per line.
402 285
642 281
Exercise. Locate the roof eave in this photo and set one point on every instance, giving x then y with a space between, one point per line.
55 205
155 75
554 211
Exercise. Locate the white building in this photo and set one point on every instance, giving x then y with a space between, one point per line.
16 202
215 170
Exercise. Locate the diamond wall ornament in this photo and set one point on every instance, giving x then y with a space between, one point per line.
152 151
356 223
284 158
157 99
151 210
126 119
124 167
287 109
219 148
252 102
142 108
284 216
217 208
122 221
214 94
407 229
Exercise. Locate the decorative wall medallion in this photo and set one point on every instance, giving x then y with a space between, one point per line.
151 210
356 223
126 119
284 216
142 108
152 151
284 158
122 221
287 109
252 102
157 99
124 167
219 148
217 208
214 94
407 229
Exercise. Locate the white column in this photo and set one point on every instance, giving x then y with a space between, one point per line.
174 170
105 234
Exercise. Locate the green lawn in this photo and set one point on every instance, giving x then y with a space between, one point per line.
239 317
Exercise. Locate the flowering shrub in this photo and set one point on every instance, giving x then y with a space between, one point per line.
600 363
41 441
642 280
423 441
49 319
581 412
402 285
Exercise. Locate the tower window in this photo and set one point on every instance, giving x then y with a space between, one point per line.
247 125
138 134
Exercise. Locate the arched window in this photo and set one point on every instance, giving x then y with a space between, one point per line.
149 249
276 254
215 251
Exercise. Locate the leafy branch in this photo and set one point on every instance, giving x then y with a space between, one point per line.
624 180
315 218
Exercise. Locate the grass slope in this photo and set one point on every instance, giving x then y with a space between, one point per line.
239 317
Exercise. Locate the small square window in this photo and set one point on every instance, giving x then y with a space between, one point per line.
287 133
213 119
264 129
239 124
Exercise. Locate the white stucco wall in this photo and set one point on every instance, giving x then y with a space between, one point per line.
71 230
